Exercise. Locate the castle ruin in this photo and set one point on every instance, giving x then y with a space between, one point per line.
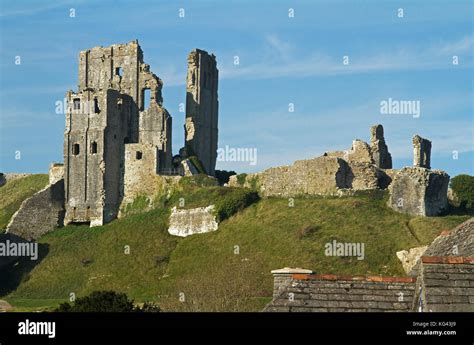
118 133
421 152
202 108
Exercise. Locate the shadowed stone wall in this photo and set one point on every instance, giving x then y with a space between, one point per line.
39 214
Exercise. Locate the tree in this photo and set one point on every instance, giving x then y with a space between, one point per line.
463 188
105 301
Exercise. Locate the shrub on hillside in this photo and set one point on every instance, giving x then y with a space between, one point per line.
105 301
241 178
224 175
463 188
234 202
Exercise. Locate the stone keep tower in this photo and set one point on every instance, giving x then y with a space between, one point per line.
202 109
106 120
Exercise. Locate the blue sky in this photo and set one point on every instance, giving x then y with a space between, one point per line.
282 60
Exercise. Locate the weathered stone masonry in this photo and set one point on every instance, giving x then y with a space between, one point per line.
202 108
114 141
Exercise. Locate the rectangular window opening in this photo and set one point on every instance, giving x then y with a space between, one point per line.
75 149
94 147
76 103
146 98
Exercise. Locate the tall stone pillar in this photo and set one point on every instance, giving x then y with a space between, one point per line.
379 150
202 109
421 152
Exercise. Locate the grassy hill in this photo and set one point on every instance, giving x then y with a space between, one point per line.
227 270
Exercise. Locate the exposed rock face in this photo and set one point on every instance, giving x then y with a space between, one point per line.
409 258
379 150
39 214
193 221
202 108
3 180
421 152
419 191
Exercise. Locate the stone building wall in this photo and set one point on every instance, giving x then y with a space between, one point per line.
202 109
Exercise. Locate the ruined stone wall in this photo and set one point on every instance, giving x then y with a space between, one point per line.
154 123
317 176
121 67
419 191
202 108
378 149
421 152
39 214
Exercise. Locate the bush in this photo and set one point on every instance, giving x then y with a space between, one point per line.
224 175
241 179
234 202
463 188
105 301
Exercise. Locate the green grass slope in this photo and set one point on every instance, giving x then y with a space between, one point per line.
226 270
15 191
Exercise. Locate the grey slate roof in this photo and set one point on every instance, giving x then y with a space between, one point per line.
457 242
445 284
327 293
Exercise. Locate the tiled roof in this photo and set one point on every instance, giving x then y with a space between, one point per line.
446 284
331 293
456 242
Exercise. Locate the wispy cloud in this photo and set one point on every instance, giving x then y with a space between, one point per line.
290 64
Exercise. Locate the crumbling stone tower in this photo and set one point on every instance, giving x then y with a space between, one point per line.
382 158
202 109
421 152
106 120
